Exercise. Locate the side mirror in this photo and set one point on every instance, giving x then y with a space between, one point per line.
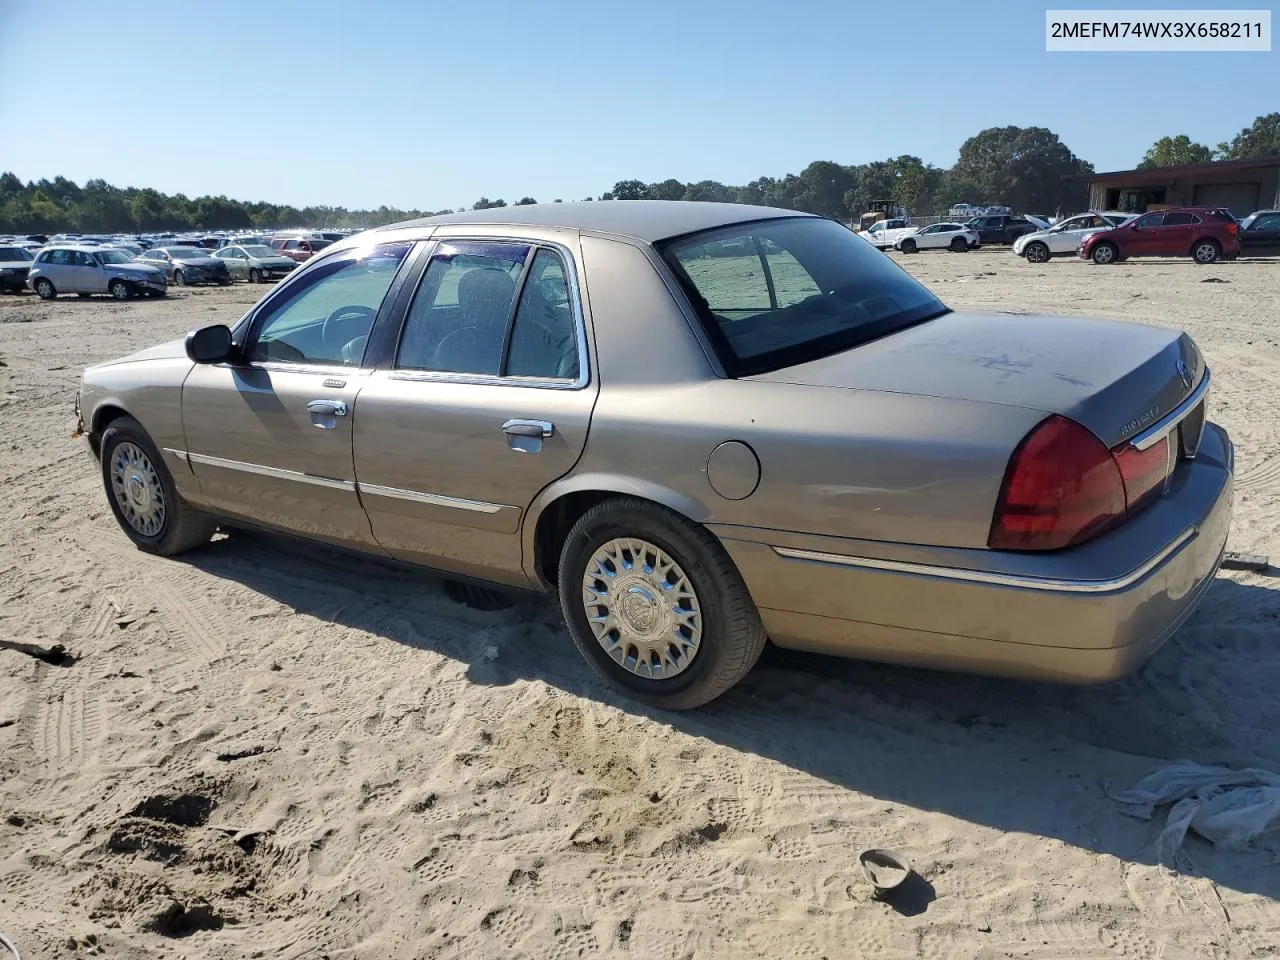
210 344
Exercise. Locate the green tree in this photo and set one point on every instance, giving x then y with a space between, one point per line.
1174 151
711 190
1020 167
823 185
666 190
484 203
1262 139
630 190
526 202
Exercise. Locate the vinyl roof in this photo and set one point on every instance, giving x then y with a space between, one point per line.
647 220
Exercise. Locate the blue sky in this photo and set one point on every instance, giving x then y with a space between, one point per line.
433 104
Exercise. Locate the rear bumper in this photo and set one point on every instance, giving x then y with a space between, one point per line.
1089 614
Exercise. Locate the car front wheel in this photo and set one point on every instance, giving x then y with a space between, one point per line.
254 276
178 278
656 606
142 496
119 289
908 246
1104 253
1036 252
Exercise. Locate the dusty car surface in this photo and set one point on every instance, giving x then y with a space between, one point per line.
700 425
187 265
256 263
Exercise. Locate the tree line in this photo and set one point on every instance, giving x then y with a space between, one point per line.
1020 167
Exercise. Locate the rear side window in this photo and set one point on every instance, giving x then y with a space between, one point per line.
1179 219
1222 216
778 292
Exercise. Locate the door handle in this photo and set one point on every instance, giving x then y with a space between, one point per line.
529 428
327 408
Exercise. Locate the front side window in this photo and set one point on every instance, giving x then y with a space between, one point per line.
1150 220
83 259
327 316
1267 221
780 292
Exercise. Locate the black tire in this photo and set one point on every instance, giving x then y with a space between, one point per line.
1036 252
1205 252
179 279
183 527
254 275
1104 253
909 246
45 289
119 289
958 245
732 634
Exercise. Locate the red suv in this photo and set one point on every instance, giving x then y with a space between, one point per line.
300 249
1202 233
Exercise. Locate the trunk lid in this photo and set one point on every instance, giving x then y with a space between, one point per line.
1114 378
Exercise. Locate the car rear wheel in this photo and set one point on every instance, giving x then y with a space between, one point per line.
656 606
254 275
958 245
1206 251
1036 252
119 289
142 496
908 246
1104 253
45 290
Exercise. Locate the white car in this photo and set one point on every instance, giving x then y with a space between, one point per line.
883 233
955 237
1064 238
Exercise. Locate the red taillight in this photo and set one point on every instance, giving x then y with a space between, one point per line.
1233 229
1143 471
1063 487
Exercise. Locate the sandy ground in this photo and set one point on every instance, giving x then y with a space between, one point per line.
265 750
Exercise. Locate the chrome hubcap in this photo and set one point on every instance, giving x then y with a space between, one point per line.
1103 255
642 609
1204 252
120 291
137 489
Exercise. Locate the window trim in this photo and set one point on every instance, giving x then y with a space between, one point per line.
565 255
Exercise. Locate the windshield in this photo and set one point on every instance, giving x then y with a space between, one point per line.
260 251
14 253
780 292
1247 221
113 256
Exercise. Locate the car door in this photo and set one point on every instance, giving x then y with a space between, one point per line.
1175 233
483 400
1142 238
941 235
269 437
1263 236
160 260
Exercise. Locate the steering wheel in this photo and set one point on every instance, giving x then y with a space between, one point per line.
333 322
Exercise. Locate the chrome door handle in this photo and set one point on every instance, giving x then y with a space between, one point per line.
529 428
327 408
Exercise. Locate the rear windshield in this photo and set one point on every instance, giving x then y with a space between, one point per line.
775 293
14 253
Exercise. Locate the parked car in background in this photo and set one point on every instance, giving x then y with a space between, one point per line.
1203 233
72 268
15 263
185 265
1000 227
955 237
1064 237
1260 234
300 249
856 476
255 263
883 233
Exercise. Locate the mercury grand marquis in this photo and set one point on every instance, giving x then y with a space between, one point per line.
700 426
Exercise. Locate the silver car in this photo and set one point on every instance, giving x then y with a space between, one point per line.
187 265
698 425
256 263
85 270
